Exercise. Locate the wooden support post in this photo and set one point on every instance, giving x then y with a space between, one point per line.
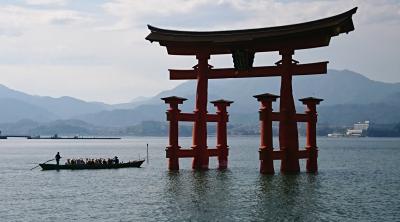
200 160
266 137
311 133
288 134
172 149
222 141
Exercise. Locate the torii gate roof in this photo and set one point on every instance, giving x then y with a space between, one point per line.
311 34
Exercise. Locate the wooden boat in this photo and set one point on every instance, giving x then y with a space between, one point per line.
45 166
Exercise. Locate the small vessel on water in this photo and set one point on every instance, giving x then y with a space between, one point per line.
91 163
135 163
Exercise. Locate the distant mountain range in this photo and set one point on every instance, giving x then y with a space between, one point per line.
18 105
348 97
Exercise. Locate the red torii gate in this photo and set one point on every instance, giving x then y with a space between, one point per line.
200 152
243 44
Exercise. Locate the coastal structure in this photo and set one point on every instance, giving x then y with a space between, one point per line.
56 137
359 129
243 46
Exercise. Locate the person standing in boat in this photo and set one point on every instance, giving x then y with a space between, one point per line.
58 157
116 160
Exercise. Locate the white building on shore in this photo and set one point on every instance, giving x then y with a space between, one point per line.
359 129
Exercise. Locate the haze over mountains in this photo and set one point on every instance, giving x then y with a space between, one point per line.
18 105
348 97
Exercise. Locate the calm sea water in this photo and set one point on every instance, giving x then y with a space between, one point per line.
359 180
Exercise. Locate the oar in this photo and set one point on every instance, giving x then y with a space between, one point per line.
147 151
44 162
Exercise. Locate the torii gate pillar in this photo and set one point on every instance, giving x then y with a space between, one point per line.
266 139
173 117
200 160
311 133
222 138
288 134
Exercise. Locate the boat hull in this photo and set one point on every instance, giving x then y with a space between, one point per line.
45 166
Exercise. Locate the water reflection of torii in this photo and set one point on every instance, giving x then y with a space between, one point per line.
243 44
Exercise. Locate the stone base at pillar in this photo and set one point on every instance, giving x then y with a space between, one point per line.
172 155
222 156
200 159
290 163
173 164
199 166
266 161
222 164
312 161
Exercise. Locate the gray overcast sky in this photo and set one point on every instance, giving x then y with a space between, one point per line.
95 49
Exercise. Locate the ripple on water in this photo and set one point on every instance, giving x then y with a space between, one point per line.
358 180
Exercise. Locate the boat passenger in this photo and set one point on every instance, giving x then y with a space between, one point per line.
58 157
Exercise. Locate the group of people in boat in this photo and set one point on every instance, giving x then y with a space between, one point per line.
88 161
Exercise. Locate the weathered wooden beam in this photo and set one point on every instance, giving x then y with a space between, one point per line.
300 117
263 71
212 118
275 116
176 74
186 117
212 152
253 72
190 117
310 68
185 153
303 154
277 154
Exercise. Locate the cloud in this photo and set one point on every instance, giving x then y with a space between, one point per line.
46 2
96 49
258 13
130 13
17 19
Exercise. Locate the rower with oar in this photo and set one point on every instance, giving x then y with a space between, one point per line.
57 157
